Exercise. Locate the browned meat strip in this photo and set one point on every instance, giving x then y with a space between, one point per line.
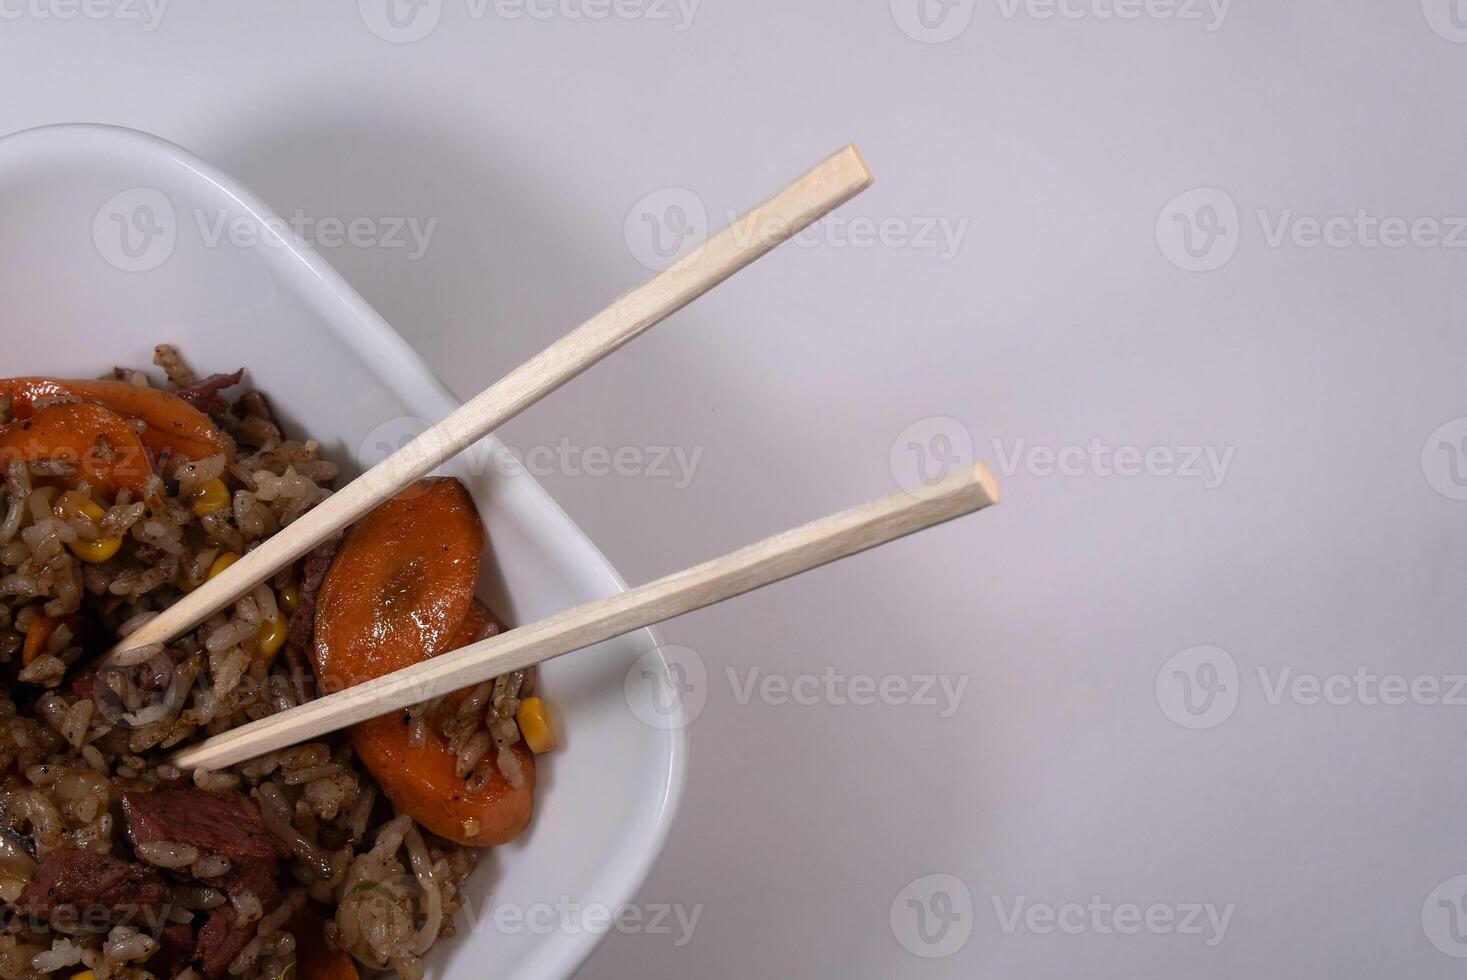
204 395
302 680
220 942
176 948
313 571
254 404
70 880
227 824
255 875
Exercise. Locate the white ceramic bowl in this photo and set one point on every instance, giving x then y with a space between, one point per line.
108 246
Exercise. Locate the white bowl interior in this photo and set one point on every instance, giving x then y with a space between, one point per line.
335 371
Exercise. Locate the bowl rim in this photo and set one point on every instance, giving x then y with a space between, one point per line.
403 371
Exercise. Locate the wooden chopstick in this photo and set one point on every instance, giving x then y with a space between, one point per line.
836 180
756 566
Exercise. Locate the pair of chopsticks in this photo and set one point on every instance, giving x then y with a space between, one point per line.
833 182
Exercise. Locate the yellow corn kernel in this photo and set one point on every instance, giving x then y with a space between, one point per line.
221 563
289 599
95 552
84 975
73 503
271 638
209 497
534 721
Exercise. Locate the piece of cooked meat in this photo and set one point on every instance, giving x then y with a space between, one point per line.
220 941
257 876
227 823
175 949
204 395
219 824
313 573
70 880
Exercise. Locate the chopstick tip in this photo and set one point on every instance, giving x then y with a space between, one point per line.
988 482
858 161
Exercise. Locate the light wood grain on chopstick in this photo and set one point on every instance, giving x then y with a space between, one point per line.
771 560
830 184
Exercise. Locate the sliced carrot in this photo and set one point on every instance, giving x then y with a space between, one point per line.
314 960
423 782
173 425
401 590
98 441
477 624
25 392
41 628
400 586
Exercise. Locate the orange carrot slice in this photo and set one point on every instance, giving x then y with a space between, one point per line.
401 590
98 442
422 779
423 782
400 586
173 425
41 628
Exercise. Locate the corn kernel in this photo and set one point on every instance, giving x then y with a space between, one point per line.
535 725
84 975
221 563
289 599
271 638
73 503
209 497
95 552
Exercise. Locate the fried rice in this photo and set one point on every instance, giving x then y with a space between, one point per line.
83 749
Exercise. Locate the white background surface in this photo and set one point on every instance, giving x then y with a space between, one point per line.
1059 318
